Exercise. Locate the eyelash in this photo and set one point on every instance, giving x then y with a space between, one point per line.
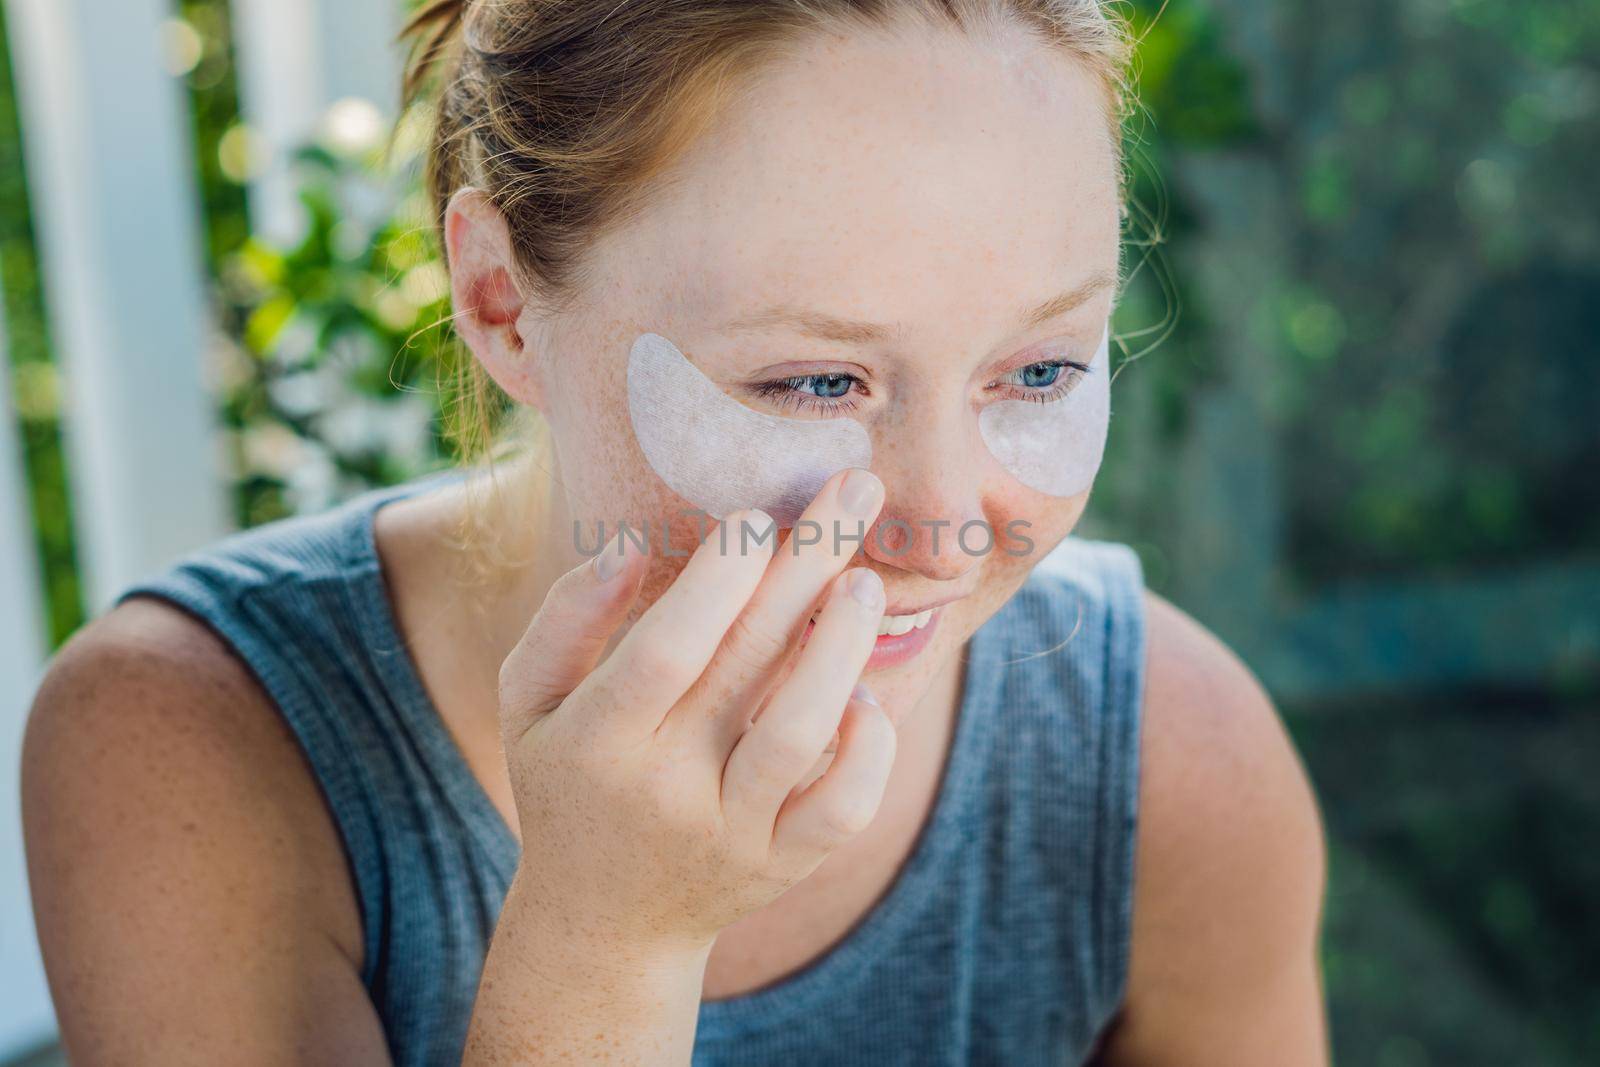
788 392
1059 388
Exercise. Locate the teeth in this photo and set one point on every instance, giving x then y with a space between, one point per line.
895 625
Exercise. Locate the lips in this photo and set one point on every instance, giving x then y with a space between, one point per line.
899 638
893 649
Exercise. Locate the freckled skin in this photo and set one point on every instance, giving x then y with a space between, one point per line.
934 188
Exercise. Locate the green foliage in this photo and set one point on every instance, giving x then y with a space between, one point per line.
333 385
1438 333
1196 90
214 102
1460 924
1192 96
34 386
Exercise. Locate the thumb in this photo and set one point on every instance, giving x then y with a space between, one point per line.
568 634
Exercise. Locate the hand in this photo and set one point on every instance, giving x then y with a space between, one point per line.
659 792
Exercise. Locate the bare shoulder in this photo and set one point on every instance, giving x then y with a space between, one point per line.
1219 775
188 881
1230 867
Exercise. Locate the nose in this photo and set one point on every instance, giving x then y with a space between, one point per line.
932 522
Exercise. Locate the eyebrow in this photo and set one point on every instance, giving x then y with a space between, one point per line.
855 332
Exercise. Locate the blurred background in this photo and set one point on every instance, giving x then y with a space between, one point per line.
1357 436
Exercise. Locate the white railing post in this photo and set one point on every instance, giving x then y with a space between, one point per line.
297 58
26 1017
111 175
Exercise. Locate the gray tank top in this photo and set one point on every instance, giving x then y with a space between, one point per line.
1002 940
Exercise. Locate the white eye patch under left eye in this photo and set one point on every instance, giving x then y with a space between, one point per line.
1054 447
722 456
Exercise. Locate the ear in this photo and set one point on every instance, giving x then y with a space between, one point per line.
487 300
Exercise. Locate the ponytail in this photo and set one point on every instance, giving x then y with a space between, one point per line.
436 32
433 31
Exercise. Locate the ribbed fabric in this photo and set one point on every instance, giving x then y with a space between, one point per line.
1003 939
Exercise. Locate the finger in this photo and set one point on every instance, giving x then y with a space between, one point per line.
861 692
845 798
786 740
568 633
820 545
663 653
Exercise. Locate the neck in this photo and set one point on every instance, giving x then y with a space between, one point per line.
520 545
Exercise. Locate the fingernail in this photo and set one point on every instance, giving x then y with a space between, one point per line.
859 493
867 587
760 525
608 564
863 694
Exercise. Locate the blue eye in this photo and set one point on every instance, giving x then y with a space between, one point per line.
819 392
1043 382
829 386
1039 375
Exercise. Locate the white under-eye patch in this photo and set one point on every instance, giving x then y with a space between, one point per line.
722 456
1054 447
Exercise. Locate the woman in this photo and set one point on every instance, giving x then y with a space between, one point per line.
324 793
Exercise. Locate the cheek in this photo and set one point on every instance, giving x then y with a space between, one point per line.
604 475
674 537
1027 524
610 459
1035 518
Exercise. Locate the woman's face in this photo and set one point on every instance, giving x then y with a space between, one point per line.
869 236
